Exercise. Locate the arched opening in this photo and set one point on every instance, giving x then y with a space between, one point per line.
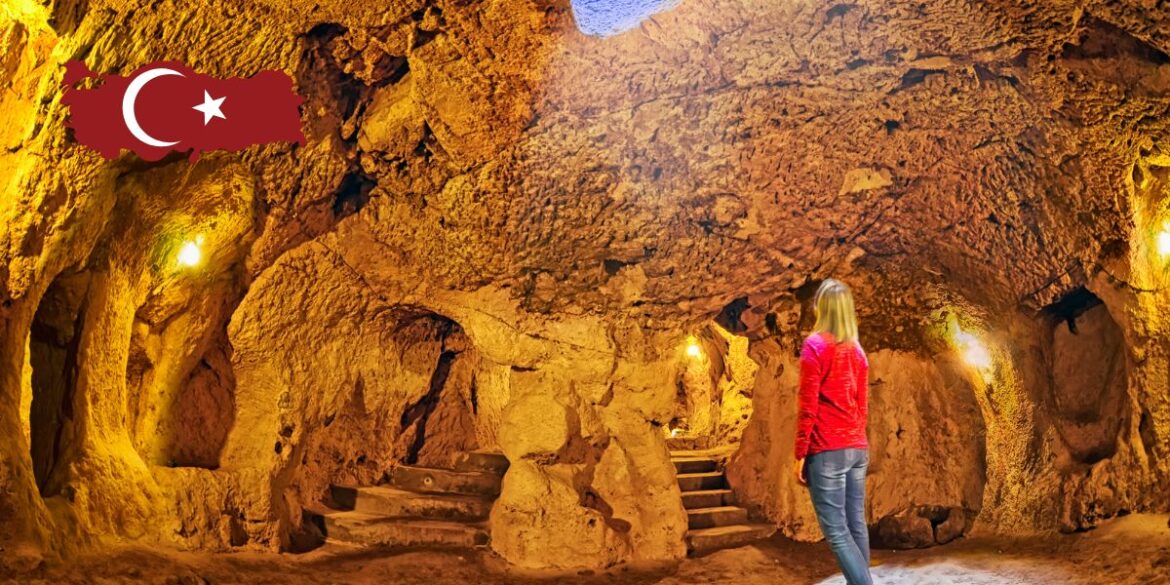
180 385
419 406
442 423
713 399
181 408
53 357
1089 376
410 455
203 411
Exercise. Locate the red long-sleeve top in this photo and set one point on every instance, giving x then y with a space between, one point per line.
834 396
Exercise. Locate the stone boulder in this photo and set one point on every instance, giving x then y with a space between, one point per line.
955 525
538 522
906 529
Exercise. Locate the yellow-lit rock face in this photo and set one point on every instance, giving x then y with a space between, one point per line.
714 399
499 229
535 426
925 433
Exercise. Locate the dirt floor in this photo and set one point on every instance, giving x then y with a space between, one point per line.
1134 549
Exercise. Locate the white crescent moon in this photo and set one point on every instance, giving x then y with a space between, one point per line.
131 96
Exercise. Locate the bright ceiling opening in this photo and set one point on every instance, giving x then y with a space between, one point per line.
604 18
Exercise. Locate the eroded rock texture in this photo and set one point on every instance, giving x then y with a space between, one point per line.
501 233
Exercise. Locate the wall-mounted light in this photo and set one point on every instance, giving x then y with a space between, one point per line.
973 351
191 253
1162 242
693 349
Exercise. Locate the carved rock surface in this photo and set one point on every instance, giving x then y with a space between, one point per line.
494 211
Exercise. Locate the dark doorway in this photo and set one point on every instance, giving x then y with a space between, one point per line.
1090 379
52 345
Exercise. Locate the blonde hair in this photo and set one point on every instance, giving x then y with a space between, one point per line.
834 309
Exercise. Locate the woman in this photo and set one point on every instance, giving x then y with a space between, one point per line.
831 449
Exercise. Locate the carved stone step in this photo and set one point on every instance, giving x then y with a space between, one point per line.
361 529
709 539
707 499
482 461
445 481
717 516
693 464
689 482
395 503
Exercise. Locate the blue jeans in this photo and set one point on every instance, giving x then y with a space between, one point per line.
836 482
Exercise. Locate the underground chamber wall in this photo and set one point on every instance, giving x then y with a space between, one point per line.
926 433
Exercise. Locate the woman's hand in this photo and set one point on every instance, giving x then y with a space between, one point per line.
801 478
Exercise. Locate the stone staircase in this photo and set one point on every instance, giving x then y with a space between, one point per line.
420 506
714 521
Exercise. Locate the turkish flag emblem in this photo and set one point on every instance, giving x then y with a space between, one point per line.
167 106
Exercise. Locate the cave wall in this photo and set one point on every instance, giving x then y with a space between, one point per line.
926 438
1046 438
580 425
1047 480
577 204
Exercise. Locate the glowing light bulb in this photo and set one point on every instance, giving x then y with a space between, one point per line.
191 253
693 348
973 351
1163 242
674 433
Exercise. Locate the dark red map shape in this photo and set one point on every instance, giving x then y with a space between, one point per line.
257 110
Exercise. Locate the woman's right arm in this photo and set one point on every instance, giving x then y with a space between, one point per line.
809 398
863 387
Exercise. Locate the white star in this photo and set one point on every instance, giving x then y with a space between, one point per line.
210 108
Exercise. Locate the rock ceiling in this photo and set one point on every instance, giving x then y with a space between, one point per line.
965 151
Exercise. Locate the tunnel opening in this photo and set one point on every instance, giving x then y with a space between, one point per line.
713 389
441 424
1089 376
181 410
430 400
180 384
412 441
203 411
53 343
